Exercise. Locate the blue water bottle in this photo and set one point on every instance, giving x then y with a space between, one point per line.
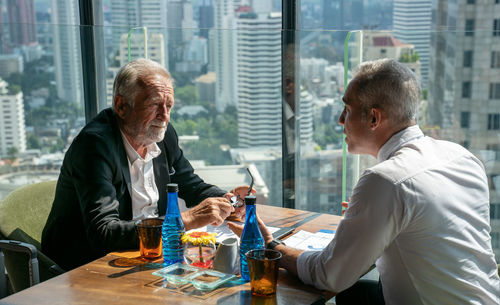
251 238
173 228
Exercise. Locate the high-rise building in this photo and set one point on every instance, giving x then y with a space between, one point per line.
124 15
128 14
11 63
259 79
155 46
22 27
174 20
181 29
412 24
377 45
223 53
67 55
155 52
206 15
12 132
464 86
343 14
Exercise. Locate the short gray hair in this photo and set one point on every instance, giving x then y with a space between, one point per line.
128 82
390 86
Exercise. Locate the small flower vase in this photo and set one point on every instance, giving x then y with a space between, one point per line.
199 250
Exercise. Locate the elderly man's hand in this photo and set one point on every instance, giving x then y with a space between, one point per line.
240 192
210 211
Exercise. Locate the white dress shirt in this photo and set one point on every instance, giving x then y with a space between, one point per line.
422 214
144 192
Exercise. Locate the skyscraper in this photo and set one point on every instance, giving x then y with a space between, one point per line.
224 54
206 13
12 132
22 28
126 14
412 24
67 56
464 86
259 79
2 34
342 14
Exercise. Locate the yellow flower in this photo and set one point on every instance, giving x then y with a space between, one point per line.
199 238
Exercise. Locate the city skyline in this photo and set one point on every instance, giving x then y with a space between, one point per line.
239 53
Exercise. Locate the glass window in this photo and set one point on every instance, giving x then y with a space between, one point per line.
493 121
466 89
226 59
495 239
495 211
40 89
496 27
494 91
469 27
467 63
495 59
465 119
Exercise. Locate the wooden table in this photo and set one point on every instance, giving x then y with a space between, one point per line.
122 278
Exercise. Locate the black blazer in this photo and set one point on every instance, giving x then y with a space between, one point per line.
92 210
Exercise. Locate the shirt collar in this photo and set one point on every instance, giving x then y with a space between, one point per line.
153 151
397 140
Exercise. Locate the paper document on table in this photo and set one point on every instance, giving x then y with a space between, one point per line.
223 231
308 241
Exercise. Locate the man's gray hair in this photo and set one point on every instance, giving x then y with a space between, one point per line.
391 86
129 80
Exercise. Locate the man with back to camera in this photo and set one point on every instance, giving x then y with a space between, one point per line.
117 169
421 214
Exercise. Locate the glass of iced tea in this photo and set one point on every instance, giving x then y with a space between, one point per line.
263 267
149 231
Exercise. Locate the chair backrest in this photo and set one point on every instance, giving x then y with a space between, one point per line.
27 208
23 214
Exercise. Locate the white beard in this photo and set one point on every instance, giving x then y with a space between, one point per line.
153 134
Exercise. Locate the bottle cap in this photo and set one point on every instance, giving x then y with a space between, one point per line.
172 187
250 200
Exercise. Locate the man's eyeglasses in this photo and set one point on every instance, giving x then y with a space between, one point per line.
237 201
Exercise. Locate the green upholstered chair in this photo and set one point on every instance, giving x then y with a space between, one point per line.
23 214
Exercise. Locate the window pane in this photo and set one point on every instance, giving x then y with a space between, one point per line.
465 119
496 27
225 59
469 27
466 90
41 97
495 91
467 63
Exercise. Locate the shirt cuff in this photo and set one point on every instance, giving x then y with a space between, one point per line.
303 266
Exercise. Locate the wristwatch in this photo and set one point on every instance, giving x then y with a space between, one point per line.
273 243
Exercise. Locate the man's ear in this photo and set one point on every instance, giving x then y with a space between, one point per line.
121 106
375 118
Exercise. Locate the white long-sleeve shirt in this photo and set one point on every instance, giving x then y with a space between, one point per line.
143 190
422 214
